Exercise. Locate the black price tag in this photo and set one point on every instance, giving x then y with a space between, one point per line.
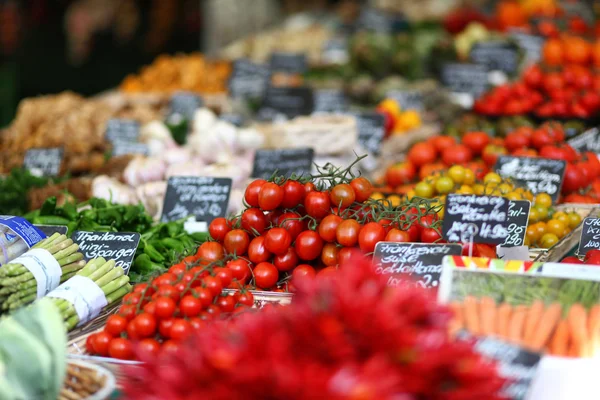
185 104
530 44
285 161
497 55
289 101
330 100
371 130
518 217
376 20
477 219
118 246
465 78
50 230
539 175
248 80
122 130
289 63
44 162
123 148
335 51
205 198
416 263
590 236
234 119
517 365
587 141
408 99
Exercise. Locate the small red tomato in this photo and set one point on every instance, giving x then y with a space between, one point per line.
218 228
257 251
270 196
101 343
327 227
308 245
120 348
303 271
236 242
246 298
342 195
293 194
252 191
226 303
317 204
265 275
397 236
277 241
115 325
286 261
145 325
254 221
190 306
213 284
148 347
180 330
165 307
369 235
362 188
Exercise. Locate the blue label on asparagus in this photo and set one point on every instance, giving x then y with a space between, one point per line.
22 228
118 246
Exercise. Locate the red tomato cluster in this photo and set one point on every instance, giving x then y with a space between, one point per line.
573 92
592 257
161 314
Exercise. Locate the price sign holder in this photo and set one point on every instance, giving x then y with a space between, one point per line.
122 130
289 101
465 78
500 55
185 104
288 63
330 100
248 80
44 161
590 236
587 141
206 198
286 162
408 99
118 246
371 130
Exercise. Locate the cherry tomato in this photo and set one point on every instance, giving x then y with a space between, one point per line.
236 242
422 153
213 284
224 274
190 306
148 347
240 269
308 245
218 228
101 343
226 303
369 235
254 221
278 240
327 227
209 252
286 261
197 323
177 269
89 343
327 272
115 325
165 279
131 331
329 255
204 295
398 236
476 141
430 235
145 324
309 187
252 191
265 275
246 298
168 291
171 347
257 251
165 307
143 287
291 222
342 195
127 311
213 310
347 232
180 330
303 271
293 194
150 308
362 188
164 327
317 204
270 196
120 348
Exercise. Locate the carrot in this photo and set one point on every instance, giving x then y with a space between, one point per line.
559 345
545 327
594 328
487 314
504 312
534 314
578 329
517 324
458 321
471 315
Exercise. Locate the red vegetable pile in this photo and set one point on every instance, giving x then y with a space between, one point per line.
348 337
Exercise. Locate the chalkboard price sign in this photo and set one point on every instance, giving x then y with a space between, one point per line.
285 161
587 141
408 99
50 230
206 198
480 219
518 217
531 44
590 236
419 264
330 100
122 130
465 78
540 175
118 246
44 161
248 80
289 63
122 148
517 365
371 130
185 104
498 55
289 101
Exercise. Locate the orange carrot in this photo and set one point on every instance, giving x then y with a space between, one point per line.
458 321
504 312
487 313
559 345
578 330
517 324
543 331
471 315
534 314
594 328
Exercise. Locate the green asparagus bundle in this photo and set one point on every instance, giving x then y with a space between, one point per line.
19 286
112 284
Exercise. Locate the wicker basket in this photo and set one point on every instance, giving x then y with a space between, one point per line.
87 381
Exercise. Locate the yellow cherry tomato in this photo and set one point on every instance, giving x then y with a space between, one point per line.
548 240
574 219
478 188
543 199
424 189
391 106
444 185
457 173
532 234
542 212
394 200
505 188
410 194
492 177
534 215
512 195
377 196
469 177
464 189
556 227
